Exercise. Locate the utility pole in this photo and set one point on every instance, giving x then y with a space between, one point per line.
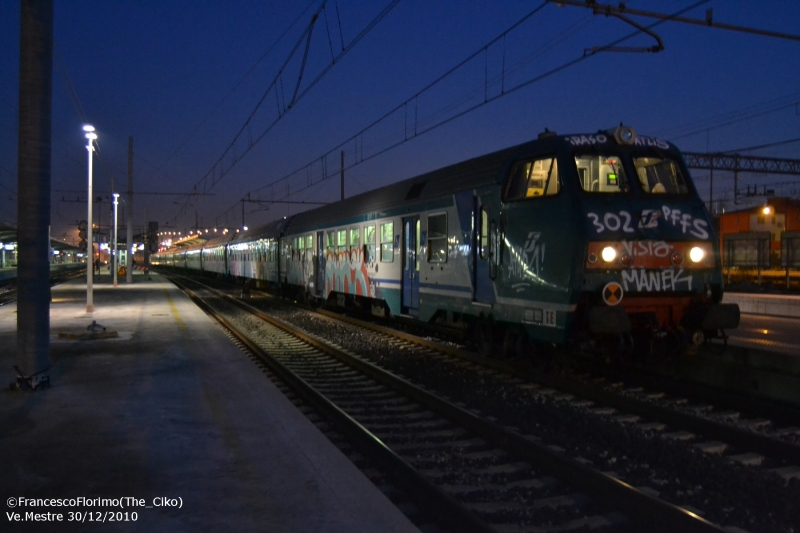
146 241
33 198
129 216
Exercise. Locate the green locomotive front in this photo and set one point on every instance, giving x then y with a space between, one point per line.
602 236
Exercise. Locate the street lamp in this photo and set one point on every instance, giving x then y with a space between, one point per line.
90 135
115 263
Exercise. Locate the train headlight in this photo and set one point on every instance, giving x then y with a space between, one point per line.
696 254
608 254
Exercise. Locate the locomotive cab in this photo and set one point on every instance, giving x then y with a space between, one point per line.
652 264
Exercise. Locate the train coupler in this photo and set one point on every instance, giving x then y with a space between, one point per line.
609 320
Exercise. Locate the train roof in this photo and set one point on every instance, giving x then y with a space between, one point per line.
467 175
269 230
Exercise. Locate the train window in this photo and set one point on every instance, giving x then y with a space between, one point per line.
369 242
387 242
309 242
658 175
341 239
601 173
535 178
437 238
330 245
483 245
355 238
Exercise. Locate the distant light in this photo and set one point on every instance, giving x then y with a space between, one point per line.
245 228
767 210
88 127
91 136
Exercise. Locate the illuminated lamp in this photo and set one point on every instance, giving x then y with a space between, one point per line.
608 254
767 210
696 254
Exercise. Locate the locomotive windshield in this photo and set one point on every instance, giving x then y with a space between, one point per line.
533 178
601 173
658 175
605 173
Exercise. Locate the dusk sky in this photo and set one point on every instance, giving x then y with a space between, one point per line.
182 78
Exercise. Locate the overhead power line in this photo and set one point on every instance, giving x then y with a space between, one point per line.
219 169
233 89
418 126
603 9
761 146
727 119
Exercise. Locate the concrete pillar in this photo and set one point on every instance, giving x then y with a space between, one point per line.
33 208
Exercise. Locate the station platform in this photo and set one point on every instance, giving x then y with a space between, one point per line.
168 422
782 305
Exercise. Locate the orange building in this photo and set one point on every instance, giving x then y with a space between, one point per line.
777 216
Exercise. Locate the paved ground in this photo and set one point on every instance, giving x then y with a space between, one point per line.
169 411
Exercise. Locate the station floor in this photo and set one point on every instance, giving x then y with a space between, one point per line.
169 413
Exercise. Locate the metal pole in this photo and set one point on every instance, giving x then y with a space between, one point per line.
33 199
146 242
115 263
711 192
129 216
90 263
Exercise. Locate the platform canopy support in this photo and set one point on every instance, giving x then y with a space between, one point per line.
33 207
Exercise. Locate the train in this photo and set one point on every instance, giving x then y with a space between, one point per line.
588 239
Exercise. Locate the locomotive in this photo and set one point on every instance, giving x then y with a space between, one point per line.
578 238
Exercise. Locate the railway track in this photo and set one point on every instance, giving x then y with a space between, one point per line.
8 290
475 472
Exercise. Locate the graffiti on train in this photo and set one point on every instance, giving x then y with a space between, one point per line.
666 280
346 272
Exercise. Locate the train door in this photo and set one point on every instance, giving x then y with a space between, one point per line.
484 247
411 236
319 282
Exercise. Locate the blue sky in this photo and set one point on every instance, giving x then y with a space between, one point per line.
182 77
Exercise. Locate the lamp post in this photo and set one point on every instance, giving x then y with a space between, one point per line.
90 135
115 263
